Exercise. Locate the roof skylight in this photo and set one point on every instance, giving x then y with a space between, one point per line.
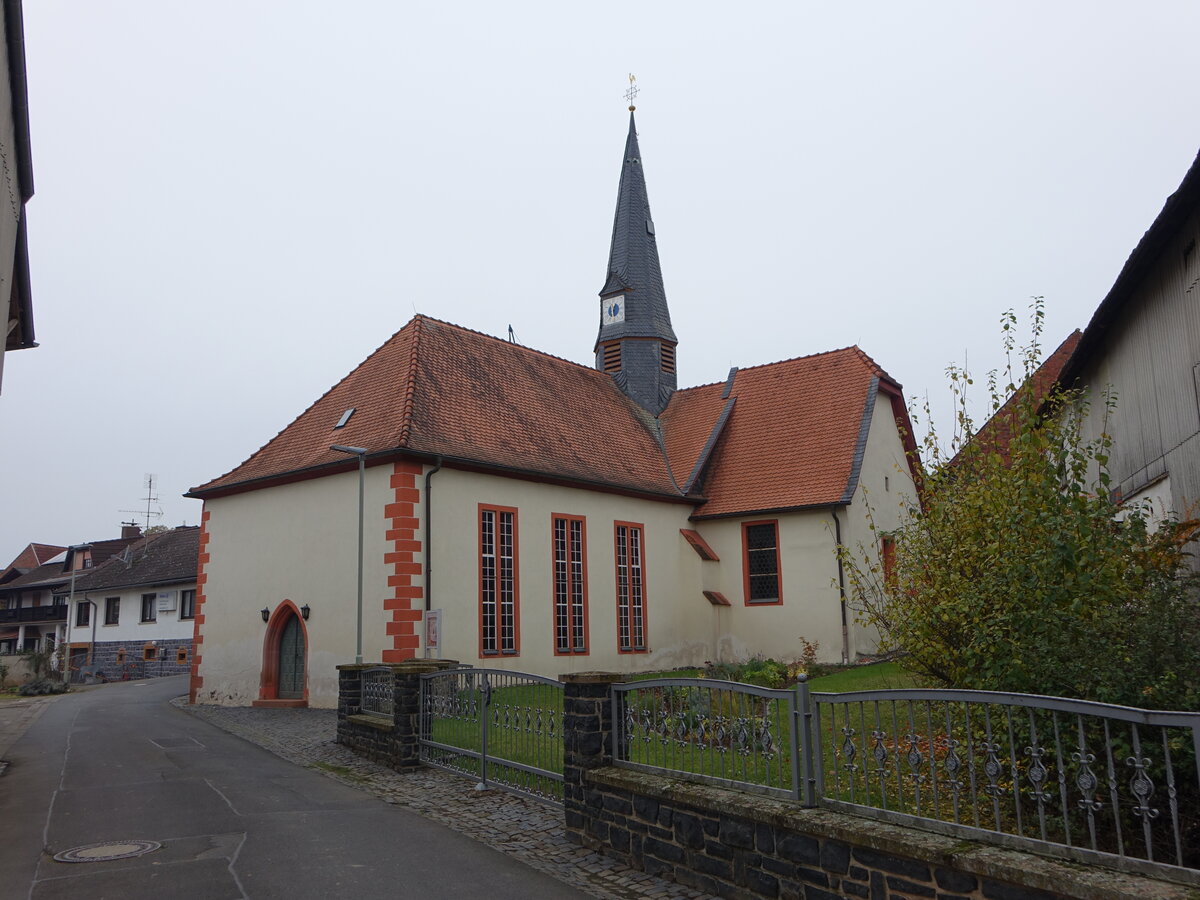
345 418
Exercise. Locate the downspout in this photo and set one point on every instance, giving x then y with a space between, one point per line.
429 538
837 536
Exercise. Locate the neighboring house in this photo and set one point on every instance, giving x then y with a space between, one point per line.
133 615
16 170
556 517
29 559
1143 342
31 616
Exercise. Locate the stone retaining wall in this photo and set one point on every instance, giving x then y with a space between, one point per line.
119 659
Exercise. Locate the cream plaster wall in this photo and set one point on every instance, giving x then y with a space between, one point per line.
678 633
808 570
879 502
297 542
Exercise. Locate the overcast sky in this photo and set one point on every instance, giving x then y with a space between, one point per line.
238 201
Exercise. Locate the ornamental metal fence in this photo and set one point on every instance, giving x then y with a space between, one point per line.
378 692
720 732
1086 781
503 728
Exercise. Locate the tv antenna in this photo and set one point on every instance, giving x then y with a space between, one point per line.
152 510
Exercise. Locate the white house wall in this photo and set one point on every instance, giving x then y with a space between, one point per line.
130 628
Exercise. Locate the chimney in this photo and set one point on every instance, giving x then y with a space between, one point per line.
130 530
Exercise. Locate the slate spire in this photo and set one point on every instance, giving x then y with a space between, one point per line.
636 343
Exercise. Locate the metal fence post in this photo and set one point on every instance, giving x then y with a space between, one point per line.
485 691
808 740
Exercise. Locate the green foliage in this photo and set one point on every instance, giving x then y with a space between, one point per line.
41 686
1017 571
39 662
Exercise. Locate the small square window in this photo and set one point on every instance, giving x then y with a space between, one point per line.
149 652
181 656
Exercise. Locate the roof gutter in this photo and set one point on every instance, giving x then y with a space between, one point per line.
323 469
429 536
837 537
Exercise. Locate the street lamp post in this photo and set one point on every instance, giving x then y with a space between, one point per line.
361 453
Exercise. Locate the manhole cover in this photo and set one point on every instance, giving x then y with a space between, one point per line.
106 851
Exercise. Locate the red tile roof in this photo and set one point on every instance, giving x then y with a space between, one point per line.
996 432
792 439
34 555
436 389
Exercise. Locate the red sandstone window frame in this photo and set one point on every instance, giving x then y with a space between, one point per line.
629 560
747 585
887 559
499 627
569 580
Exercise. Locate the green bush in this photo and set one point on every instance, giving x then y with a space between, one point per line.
42 686
1017 571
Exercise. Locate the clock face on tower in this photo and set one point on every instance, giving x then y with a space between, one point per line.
612 310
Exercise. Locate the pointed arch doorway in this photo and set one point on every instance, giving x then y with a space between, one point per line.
285 659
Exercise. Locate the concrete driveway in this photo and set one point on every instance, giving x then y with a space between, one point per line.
121 764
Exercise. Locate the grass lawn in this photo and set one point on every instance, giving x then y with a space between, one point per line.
875 677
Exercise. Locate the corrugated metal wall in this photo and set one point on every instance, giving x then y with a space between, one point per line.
1149 359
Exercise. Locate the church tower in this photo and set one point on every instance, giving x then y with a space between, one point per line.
636 344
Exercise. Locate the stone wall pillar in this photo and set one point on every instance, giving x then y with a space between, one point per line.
406 705
394 742
588 736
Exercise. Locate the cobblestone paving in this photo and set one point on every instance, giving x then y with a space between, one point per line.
525 829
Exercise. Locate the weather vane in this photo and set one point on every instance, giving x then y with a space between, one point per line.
632 92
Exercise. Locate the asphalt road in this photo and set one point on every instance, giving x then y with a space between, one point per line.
120 763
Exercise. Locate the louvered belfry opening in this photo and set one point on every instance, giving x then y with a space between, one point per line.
611 356
668 358
636 343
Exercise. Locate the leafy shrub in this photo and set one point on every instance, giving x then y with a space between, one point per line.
768 673
42 686
1017 571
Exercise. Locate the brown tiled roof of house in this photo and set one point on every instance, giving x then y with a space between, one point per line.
169 557
28 559
437 389
790 439
51 574
794 436
996 432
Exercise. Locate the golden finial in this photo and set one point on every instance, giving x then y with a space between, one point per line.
632 92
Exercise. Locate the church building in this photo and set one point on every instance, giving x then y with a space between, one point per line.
521 511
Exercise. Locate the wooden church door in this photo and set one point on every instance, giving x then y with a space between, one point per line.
291 661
